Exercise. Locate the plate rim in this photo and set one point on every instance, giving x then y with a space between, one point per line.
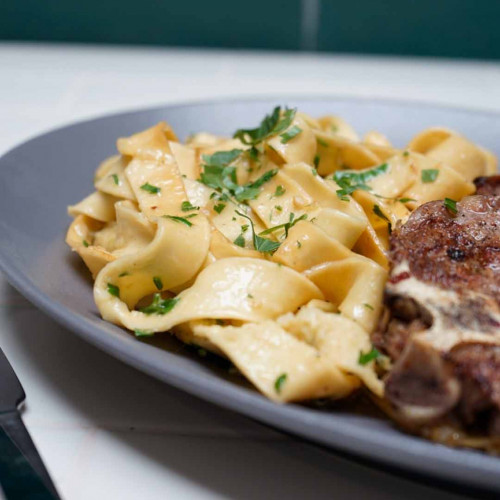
231 396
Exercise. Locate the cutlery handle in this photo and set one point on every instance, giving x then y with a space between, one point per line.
22 472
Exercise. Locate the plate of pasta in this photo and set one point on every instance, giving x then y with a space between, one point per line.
330 267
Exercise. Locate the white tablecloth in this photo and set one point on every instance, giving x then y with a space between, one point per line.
105 430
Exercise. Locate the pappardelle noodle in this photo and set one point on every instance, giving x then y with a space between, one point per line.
268 248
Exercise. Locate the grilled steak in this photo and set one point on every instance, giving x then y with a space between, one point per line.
442 321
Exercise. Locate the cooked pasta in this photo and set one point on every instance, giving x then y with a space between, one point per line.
268 248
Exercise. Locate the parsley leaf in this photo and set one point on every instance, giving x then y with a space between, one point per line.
115 179
219 175
405 200
290 134
85 243
368 306
150 189
321 142
352 180
219 207
365 358
260 244
159 305
429 174
450 205
316 161
278 384
187 207
286 226
113 290
280 191
181 220
143 333
272 124
158 282
240 241
378 212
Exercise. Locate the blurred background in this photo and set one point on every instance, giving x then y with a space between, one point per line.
449 28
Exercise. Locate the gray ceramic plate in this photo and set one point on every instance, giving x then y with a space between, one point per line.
41 177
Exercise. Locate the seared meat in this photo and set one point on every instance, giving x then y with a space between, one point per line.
442 323
455 251
488 185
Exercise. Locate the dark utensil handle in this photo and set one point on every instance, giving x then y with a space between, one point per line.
22 472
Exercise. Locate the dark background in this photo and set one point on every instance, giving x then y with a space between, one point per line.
450 28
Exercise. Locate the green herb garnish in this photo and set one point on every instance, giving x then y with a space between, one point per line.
351 180
115 178
113 290
158 282
290 134
260 244
406 153
278 384
405 200
181 220
378 212
240 241
429 174
450 205
159 305
316 161
85 243
280 191
365 358
143 333
286 226
219 207
272 124
321 142
368 306
187 207
125 273
150 189
219 175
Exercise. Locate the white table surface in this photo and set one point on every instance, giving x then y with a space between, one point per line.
107 431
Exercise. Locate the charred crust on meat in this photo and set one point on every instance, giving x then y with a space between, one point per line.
441 322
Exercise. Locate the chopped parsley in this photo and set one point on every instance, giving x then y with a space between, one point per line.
244 227
219 175
260 244
378 212
450 205
113 290
351 180
278 208
280 191
85 243
299 244
429 174
180 220
365 358
278 383
271 125
159 305
219 207
240 241
158 282
321 142
406 200
314 171
406 153
150 188
187 207
368 306
290 134
316 161
249 295
115 179
125 273
286 226
143 333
